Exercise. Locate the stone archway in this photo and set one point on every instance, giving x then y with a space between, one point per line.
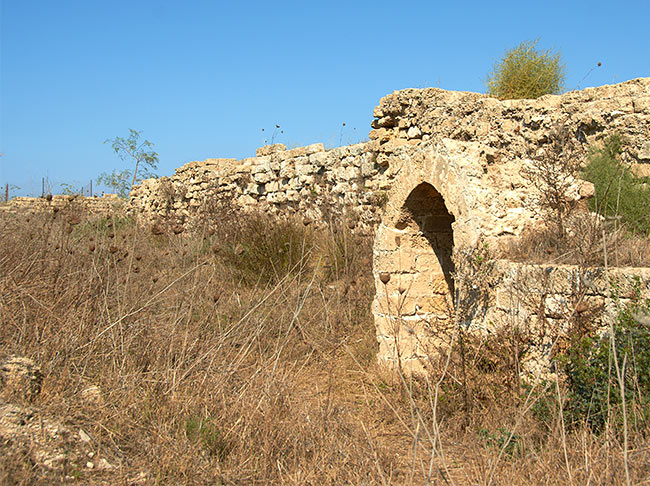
424 216
413 276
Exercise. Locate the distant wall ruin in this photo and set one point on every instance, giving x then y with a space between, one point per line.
315 183
98 205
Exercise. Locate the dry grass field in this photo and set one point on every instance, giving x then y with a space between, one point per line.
243 352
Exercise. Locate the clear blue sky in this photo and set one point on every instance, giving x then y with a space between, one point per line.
202 78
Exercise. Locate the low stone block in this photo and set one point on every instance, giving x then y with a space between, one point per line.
270 149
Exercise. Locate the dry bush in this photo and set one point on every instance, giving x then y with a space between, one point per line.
554 172
612 235
588 239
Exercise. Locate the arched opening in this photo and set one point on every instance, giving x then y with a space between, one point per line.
427 221
413 267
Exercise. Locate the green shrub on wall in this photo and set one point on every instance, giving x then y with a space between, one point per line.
620 194
526 73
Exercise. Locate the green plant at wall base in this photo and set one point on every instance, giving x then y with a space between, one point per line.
593 389
106 225
619 193
525 72
501 439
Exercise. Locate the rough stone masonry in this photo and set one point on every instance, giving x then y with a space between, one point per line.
442 170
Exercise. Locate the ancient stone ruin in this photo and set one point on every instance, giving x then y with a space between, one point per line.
459 162
470 148
443 173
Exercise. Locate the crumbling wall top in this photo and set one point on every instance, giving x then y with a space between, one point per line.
512 128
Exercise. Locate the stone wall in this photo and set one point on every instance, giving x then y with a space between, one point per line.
99 205
485 144
442 171
514 129
315 183
415 324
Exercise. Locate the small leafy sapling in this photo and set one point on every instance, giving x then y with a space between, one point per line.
118 181
131 149
71 189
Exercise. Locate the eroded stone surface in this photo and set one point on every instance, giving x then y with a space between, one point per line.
540 301
473 153
20 379
469 147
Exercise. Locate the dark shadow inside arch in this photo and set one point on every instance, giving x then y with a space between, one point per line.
425 211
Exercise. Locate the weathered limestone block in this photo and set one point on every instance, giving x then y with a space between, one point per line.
20 378
358 149
246 200
414 132
341 188
293 195
305 168
348 173
270 149
644 152
320 159
277 197
303 151
262 177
